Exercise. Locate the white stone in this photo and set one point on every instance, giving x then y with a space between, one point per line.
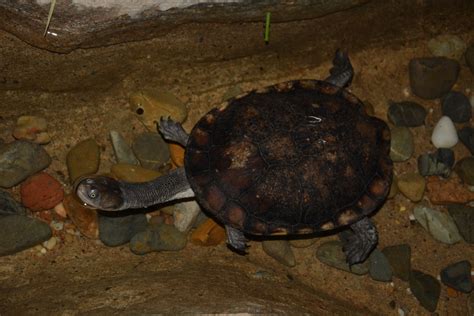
185 214
444 133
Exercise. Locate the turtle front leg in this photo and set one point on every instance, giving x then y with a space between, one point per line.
236 239
360 244
342 71
173 131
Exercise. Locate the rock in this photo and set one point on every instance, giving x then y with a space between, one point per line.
85 219
379 267
426 289
402 145
20 159
123 152
458 276
50 243
303 242
185 215
151 105
464 218
469 56
399 257
411 185
457 107
151 150
466 135
446 156
208 233
432 77
447 191
159 237
20 232
32 128
177 154
465 169
437 164
133 173
446 45
116 229
406 113
444 133
83 159
393 188
280 250
9 206
41 192
331 253
60 210
440 225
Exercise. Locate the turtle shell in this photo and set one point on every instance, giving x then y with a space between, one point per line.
297 157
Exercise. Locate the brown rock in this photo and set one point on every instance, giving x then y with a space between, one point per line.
84 219
447 191
177 154
411 185
41 192
83 159
208 233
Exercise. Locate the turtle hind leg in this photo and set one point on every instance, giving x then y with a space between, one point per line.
236 239
360 243
341 71
173 131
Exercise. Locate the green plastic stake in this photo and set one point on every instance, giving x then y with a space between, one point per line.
266 35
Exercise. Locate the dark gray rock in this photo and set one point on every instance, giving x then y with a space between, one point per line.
123 152
466 135
379 267
19 160
426 289
151 150
457 106
469 55
458 276
406 113
9 206
20 232
446 156
464 219
402 144
436 164
118 229
432 77
158 237
331 253
465 169
399 257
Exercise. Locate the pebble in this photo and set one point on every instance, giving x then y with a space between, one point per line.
150 105
469 56
50 243
116 229
123 152
159 237
83 159
9 206
85 219
447 45
447 191
466 135
432 77
60 210
440 225
20 232
133 173
41 192
151 150
32 128
280 250
331 253
458 276
209 233
303 242
55 225
185 214
426 289
444 133
402 145
411 185
464 218
379 267
399 257
177 154
457 107
20 159
406 113
465 170
436 164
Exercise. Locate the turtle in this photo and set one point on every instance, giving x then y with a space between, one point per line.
298 157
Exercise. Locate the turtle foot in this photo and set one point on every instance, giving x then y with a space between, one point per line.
342 71
173 131
236 239
359 244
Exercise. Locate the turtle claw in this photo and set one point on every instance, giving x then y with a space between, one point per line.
172 131
236 240
359 244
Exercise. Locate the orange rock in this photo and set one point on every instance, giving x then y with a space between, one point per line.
177 154
452 292
447 191
41 192
208 233
84 219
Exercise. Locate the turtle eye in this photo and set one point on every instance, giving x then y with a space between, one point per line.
92 193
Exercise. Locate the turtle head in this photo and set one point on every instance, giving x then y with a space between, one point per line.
99 192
